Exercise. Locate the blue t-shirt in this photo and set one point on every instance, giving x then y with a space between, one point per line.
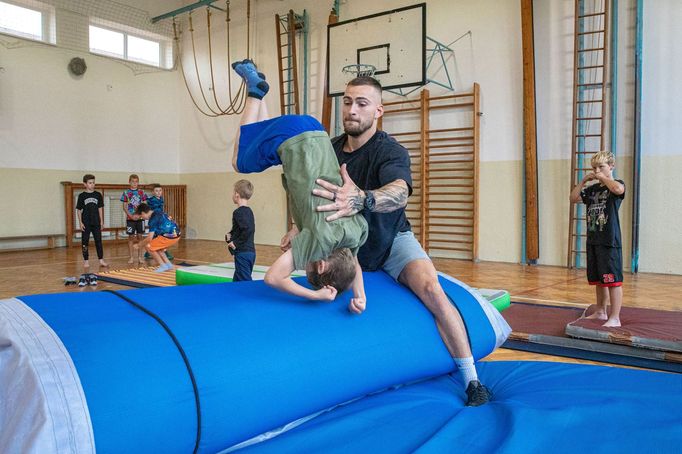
155 203
160 224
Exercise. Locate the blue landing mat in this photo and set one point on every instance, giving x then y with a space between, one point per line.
538 407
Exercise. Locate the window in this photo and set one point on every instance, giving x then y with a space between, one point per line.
107 42
30 23
143 50
125 45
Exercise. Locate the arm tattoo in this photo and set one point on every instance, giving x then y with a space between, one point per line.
391 197
357 200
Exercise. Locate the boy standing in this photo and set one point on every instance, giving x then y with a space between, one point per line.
163 233
604 258
90 207
327 250
132 198
240 238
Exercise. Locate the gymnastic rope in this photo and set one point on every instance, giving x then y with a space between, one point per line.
182 353
238 101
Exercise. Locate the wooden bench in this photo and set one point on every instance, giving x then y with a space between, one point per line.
50 239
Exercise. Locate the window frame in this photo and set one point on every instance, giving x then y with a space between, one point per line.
47 22
165 44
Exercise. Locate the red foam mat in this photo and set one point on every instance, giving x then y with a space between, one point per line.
644 328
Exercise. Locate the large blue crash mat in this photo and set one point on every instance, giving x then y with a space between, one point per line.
239 366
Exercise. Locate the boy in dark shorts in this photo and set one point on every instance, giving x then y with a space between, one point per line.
604 257
132 198
240 238
90 207
326 250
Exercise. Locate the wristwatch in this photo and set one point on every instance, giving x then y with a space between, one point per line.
370 202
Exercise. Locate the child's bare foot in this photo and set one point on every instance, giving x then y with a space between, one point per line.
131 260
86 264
612 323
598 315
103 263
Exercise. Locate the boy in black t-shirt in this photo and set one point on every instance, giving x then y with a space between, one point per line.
604 257
90 206
240 238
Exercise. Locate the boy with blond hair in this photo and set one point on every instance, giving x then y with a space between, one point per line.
602 198
240 238
132 198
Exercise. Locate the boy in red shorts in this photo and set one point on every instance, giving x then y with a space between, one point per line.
602 198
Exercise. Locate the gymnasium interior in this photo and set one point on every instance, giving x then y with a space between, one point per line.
499 104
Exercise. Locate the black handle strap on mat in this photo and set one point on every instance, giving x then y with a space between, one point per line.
182 353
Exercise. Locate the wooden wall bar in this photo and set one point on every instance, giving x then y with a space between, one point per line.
443 208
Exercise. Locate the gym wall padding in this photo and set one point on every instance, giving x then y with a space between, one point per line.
261 358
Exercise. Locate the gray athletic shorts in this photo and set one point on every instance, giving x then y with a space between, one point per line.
405 249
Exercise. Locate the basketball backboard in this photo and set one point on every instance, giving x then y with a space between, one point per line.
394 42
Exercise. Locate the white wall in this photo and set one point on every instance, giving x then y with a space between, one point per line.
491 56
661 194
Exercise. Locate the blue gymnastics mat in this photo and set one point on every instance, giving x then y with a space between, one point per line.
227 366
537 407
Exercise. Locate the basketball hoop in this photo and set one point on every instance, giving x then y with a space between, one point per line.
359 69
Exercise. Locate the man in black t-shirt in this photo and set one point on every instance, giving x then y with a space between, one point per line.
90 207
377 182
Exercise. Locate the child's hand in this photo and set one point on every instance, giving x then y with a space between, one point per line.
357 305
589 176
599 176
285 244
326 293
136 246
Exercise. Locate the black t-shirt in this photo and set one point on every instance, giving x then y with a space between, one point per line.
90 203
243 229
603 225
380 161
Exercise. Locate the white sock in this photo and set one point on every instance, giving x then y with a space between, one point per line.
467 369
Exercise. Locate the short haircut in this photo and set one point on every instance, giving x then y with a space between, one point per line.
340 271
133 176
365 80
244 188
156 185
143 208
87 177
603 157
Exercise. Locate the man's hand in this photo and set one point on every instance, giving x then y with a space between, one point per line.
347 199
326 293
357 305
285 244
228 238
231 245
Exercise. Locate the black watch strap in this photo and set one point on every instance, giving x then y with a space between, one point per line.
370 202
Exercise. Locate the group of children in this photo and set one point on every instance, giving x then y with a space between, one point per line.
138 207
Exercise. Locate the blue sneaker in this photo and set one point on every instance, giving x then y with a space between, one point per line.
255 81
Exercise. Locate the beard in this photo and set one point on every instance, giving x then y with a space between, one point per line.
356 128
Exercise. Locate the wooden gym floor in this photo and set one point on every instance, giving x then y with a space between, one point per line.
41 271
